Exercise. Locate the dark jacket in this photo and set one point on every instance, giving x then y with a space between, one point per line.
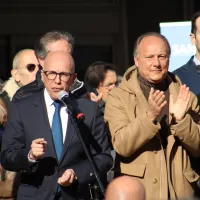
1 134
189 76
30 88
39 180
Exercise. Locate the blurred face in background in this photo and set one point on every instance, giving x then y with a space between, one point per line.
59 45
108 84
26 67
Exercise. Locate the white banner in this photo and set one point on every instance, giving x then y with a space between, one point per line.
178 35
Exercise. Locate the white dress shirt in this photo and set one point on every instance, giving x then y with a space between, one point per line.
50 112
197 62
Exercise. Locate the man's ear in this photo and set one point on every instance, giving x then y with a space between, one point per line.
192 39
136 61
74 77
15 75
41 62
42 76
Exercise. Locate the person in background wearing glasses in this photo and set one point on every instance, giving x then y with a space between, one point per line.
51 41
46 148
100 79
25 67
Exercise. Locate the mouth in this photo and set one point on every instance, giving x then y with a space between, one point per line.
157 70
56 89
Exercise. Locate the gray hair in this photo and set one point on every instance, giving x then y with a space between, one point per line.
138 41
41 50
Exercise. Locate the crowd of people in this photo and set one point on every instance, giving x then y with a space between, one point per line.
143 128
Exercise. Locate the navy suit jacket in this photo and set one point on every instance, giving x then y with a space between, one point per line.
189 76
28 120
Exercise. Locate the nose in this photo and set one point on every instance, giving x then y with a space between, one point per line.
57 79
112 86
156 61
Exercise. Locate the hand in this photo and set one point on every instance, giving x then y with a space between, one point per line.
156 102
178 108
37 148
94 97
67 178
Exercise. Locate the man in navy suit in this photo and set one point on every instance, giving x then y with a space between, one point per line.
190 72
29 145
190 75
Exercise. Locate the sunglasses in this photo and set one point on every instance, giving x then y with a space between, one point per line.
30 67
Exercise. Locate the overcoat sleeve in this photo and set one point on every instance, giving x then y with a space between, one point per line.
128 133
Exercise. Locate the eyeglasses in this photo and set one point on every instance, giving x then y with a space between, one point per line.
110 85
30 67
51 75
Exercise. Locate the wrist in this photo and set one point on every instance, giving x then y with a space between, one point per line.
31 156
151 117
175 119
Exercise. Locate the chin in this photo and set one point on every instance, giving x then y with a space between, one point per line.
158 79
54 96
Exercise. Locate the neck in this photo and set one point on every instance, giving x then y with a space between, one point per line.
160 86
197 55
146 86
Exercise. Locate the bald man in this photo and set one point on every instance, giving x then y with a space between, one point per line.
24 68
45 146
125 188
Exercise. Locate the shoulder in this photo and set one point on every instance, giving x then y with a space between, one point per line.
29 99
119 98
181 69
174 77
85 103
117 92
28 90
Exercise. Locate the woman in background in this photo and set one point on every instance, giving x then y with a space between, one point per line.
100 79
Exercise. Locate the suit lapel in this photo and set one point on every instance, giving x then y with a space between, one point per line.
192 78
41 117
70 132
68 138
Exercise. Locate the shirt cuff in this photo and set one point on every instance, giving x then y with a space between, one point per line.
30 159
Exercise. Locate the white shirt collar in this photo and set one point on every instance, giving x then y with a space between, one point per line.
196 61
49 101
50 112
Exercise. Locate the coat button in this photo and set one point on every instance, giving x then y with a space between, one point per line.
155 181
